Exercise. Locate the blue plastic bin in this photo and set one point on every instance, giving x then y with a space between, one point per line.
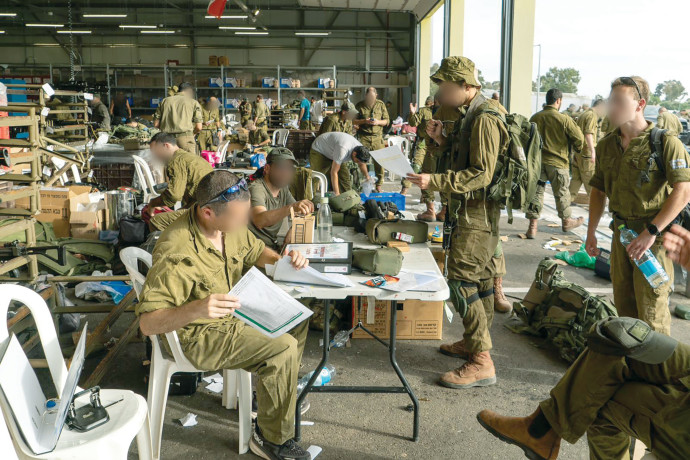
396 198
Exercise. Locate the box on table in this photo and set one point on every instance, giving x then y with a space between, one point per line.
302 230
87 216
55 206
416 319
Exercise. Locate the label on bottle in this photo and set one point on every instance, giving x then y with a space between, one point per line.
650 267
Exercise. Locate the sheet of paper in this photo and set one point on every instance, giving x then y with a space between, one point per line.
314 451
393 159
284 271
412 281
188 420
265 306
215 387
213 378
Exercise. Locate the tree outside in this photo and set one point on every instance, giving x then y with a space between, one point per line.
565 79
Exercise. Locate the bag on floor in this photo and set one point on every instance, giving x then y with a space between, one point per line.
345 201
380 261
560 311
381 231
602 265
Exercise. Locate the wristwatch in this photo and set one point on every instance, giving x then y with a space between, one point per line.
653 230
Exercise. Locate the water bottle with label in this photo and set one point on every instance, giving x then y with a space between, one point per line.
324 223
648 264
326 375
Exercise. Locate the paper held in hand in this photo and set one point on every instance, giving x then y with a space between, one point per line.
284 271
393 159
266 307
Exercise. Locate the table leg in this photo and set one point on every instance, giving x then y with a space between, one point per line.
401 376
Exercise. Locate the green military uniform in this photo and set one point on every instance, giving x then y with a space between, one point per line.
559 133
245 113
177 114
261 114
262 196
614 398
583 164
419 120
333 123
101 115
372 136
668 121
323 164
258 136
207 130
475 144
188 267
436 155
635 203
604 128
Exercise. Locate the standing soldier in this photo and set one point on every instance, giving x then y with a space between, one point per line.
583 164
372 118
304 112
668 121
559 133
643 196
571 111
210 125
475 144
180 115
245 109
99 113
419 119
340 122
261 114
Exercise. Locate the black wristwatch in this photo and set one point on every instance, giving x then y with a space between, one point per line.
653 230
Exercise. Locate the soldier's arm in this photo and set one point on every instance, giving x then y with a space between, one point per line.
574 133
385 118
597 204
177 183
414 119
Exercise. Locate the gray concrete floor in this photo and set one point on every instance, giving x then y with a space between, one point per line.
378 426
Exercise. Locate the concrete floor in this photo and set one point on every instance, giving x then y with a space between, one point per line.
377 426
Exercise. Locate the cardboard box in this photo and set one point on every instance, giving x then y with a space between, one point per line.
215 82
439 256
133 144
231 82
416 320
267 82
125 81
87 223
302 230
55 206
286 83
143 80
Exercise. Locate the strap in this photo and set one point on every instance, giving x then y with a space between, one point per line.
467 284
487 293
472 299
656 139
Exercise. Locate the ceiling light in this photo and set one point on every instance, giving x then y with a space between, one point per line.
312 34
46 44
75 32
159 31
104 15
135 26
236 28
2 31
45 24
181 46
239 16
121 45
251 33
255 12
11 15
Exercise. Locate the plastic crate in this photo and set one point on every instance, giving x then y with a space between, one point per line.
115 175
396 198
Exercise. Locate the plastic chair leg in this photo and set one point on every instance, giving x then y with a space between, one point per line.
144 446
157 399
244 382
230 388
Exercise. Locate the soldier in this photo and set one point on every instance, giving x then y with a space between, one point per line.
180 114
418 119
304 112
495 96
340 122
196 262
261 113
371 120
668 121
210 125
330 151
257 137
99 113
571 111
605 127
271 197
583 164
559 133
642 197
245 109
475 144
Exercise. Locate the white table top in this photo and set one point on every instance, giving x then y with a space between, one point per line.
418 259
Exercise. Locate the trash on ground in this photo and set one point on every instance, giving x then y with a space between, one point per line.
188 420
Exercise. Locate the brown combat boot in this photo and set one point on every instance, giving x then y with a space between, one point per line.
515 430
479 371
532 229
429 215
455 350
501 303
441 216
570 223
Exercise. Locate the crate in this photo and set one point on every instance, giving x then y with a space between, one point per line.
299 142
114 175
396 198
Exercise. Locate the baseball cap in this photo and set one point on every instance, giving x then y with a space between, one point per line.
457 69
630 337
280 153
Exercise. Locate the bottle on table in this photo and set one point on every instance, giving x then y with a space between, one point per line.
648 264
324 222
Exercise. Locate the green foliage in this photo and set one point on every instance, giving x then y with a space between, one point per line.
672 90
565 79
488 84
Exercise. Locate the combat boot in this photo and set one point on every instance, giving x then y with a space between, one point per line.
455 350
429 215
479 371
532 229
520 430
441 216
569 223
501 303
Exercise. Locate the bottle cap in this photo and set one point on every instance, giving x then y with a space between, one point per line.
621 227
324 200
50 404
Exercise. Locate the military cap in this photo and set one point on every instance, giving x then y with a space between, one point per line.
347 107
280 153
457 69
630 337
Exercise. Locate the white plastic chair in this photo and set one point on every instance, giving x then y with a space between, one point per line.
145 178
280 137
323 182
237 384
223 151
128 418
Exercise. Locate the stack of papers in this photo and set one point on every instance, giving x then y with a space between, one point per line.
413 281
284 271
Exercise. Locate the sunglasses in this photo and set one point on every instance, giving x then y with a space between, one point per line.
630 82
241 185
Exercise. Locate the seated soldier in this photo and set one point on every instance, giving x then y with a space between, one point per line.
630 382
184 171
196 261
257 137
271 198
330 151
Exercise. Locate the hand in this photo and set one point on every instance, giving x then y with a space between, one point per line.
677 244
421 180
639 245
372 122
591 246
303 207
434 129
216 306
298 260
413 108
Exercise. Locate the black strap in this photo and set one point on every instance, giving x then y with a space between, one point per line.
467 284
487 293
656 138
472 299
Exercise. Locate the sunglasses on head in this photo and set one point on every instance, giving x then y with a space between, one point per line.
631 82
241 185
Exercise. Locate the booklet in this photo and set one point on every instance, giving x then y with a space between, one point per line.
284 271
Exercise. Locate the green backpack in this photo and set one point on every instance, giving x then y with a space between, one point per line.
518 169
559 311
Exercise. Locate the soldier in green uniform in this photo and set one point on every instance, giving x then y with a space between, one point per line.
257 137
196 262
559 134
100 113
180 114
271 197
583 164
261 113
475 144
572 111
210 115
371 120
340 122
419 119
245 109
184 171
668 121
641 197
605 127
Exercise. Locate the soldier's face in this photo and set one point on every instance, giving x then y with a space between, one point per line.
453 94
281 173
623 107
234 215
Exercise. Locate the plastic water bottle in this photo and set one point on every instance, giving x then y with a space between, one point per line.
648 264
324 223
326 375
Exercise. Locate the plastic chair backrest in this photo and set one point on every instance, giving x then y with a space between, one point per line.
280 137
223 151
144 174
323 181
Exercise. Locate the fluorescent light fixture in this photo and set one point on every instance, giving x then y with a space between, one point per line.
11 15
45 24
122 45
2 31
104 15
135 26
75 32
312 34
181 46
46 44
159 31
251 33
238 16
236 28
